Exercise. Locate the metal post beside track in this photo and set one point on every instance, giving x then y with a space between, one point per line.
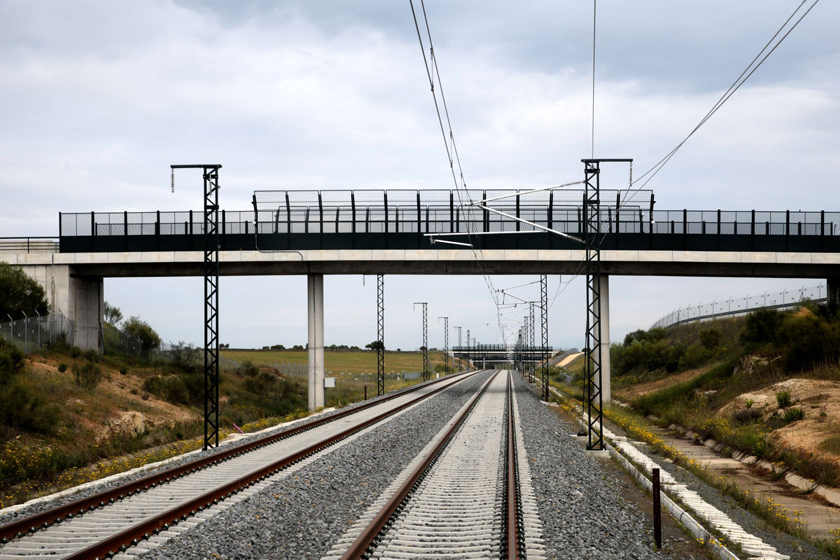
380 335
211 298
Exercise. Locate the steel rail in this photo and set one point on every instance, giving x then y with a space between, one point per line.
362 547
42 520
514 529
144 530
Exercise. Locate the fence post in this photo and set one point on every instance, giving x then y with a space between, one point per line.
39 329
25 333
657 512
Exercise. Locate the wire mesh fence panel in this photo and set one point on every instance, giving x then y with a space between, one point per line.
37 334
736 306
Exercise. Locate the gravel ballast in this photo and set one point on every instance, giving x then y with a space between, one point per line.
583 513
7 516
302 515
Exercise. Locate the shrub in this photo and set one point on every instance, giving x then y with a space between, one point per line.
748 403
169 388
149 339
62 368
123 370
694 356
75 352
87 376
90 355
185 357
249 369
783 399
761 326
262 383
793 414
746 415
19 293
21 408
11 361
711 338
808 340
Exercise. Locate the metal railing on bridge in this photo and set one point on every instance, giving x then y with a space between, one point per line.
738 306
300 220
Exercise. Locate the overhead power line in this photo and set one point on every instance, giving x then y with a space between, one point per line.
453 157
754 65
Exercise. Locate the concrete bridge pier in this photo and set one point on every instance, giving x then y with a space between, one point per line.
606 372
833 290
315 346
80 298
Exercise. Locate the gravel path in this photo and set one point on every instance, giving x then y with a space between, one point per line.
582 511
8 517
302 515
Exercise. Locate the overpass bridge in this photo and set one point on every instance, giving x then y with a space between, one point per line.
442 232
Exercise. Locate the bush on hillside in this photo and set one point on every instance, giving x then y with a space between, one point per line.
149 339
11 361
170 388
185 357
22 409
761 326
249 369
19 293
711 338
87 376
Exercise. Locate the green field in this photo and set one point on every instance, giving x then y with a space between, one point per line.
341 361
354 372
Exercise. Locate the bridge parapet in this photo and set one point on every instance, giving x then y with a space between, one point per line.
313 220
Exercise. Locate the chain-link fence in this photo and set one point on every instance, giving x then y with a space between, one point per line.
737 306
34 334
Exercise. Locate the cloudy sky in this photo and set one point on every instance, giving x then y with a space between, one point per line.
98 98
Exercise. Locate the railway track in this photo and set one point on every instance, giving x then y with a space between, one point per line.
160 506
463 497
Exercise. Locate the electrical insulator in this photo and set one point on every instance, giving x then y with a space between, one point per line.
173 181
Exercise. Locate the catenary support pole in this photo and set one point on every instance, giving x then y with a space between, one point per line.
315 346
210 174
460 348
380 335
445 343
424 349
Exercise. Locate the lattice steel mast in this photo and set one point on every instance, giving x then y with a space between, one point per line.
531 357
445 343
380 334
460 362
593 396
211 298
425 348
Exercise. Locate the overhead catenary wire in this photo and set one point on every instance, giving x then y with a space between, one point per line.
754 65
432 72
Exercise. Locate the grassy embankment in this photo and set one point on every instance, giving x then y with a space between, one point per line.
767 384
69 417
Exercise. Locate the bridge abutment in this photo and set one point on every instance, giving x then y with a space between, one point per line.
80 298
315 346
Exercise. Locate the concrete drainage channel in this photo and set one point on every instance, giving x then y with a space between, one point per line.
640 467
155 511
